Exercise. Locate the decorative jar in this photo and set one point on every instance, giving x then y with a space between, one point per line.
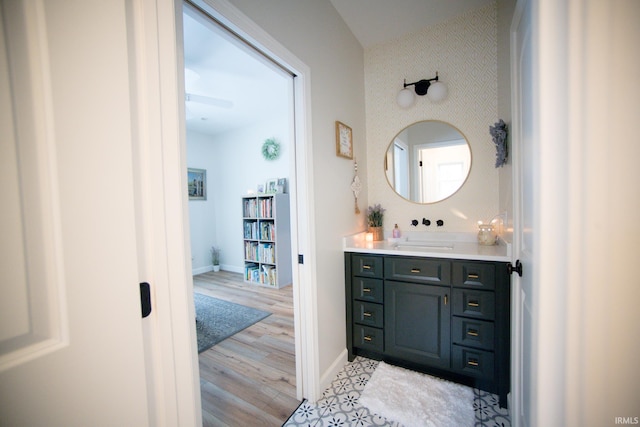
487 235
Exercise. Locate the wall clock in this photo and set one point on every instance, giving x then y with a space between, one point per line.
344 141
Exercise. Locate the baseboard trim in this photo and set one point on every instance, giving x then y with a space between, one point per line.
330 374
201 270
224 267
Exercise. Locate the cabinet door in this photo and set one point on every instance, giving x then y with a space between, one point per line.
417 323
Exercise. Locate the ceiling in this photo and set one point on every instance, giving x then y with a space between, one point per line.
377 21
234 85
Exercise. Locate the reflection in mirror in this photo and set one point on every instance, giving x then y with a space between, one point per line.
428 161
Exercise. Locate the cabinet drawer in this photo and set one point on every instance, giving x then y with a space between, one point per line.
472 362
366 289
368 338
424 270
367 266
472 333
367 313
474 275
472 303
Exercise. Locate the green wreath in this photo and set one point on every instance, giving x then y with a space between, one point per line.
270 149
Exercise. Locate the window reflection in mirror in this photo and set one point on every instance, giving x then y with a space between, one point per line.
428 161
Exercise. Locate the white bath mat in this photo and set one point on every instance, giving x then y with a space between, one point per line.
415 400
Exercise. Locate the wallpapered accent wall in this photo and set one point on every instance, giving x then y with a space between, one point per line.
464 53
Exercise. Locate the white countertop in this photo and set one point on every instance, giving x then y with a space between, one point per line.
431 244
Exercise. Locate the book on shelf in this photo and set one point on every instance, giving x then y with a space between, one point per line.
268 275
266 207
250 208
266 253
251 251
252 272
267 231
251 230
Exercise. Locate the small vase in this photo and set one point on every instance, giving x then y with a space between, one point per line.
377 233
216 268
486 234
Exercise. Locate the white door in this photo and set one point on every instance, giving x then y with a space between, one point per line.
523 145
71 351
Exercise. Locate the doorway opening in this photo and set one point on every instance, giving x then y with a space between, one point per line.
237 101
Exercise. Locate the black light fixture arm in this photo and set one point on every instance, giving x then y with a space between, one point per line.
422 86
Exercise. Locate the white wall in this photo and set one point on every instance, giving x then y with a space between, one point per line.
201 154
235 166
315 33
463 51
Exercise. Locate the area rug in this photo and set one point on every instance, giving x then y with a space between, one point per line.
217 320
415 400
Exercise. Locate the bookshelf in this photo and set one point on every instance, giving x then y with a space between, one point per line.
267 240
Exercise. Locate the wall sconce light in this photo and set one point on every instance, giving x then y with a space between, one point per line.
436 91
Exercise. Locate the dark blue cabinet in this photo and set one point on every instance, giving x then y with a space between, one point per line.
445 317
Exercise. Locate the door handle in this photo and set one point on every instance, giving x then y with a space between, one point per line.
145 299
517 268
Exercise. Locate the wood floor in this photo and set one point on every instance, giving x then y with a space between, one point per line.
249 378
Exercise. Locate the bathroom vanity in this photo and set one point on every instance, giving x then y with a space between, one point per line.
439 306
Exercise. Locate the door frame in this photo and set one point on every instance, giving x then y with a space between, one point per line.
516 395
301 188
172 358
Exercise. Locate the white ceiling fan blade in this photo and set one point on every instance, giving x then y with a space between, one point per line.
216 102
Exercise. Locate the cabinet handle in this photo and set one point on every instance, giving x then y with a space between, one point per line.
446 299
366 267
472 332
415 270
473 304
473 276
367 338
473 362
366 290
366 314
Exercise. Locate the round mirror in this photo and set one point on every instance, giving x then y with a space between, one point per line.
428 161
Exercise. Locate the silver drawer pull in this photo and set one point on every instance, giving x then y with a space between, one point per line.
473 304
473 276
366 314
415 270
368 338
472 333
365 290
473 362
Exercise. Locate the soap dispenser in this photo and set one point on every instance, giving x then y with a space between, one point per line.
396 232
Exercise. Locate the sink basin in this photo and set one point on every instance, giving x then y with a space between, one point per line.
425 246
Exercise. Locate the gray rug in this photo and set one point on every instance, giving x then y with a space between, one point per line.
217 320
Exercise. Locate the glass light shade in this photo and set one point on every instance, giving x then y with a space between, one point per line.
437 91
405 98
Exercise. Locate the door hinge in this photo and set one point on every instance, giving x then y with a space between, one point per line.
300 259
518 268
145 299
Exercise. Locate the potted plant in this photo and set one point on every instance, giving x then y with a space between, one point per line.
375 215
215 258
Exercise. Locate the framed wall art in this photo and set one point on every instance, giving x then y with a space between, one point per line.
197 179
271 186
344 141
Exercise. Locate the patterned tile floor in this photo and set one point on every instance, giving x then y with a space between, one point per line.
339 405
